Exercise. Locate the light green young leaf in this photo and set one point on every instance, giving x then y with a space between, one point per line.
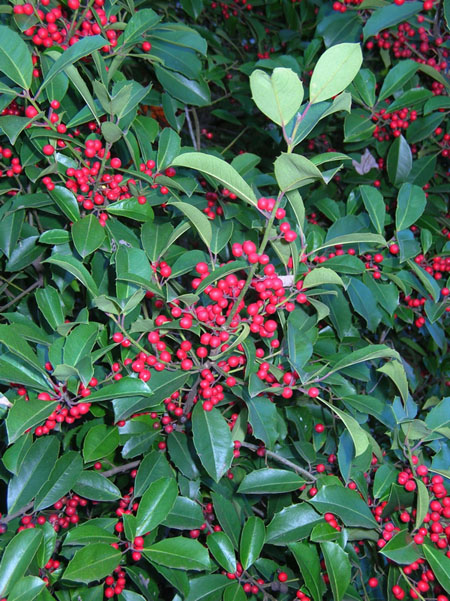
278 96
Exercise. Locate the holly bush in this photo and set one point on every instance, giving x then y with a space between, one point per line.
225 251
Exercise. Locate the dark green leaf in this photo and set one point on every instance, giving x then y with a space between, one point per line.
338 568
222 550
17 557
179 552
62 478
269 480
15 58
345 503
212 441
292 524
155 504
96 487
100 441
24 415
307 558
87 235
92 562
252 541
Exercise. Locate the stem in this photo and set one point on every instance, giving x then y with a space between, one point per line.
121 468
36 284
123 330
232 143
283 460
299 119
253 269
191 129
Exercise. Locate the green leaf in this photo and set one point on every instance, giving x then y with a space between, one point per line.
220 170
399 161
82 48
77 269
397 77
66 201
19 347
87 235
270 481
185 514
125 387
12 126
180 553
138 25
26 589
376 207
321 275
334 71
294 171
15 58
168 148
25 415
252 541
212 441
55 236
387 16
49 302
188 91
155 504
79 343
222 550
364 303
307 558
111 132
292 524
263 417
411 203
100 441
207 588
401 548
198 220
359 436
345 503
338 567
92 485
181 455
227 516
92 562
423 502
153 467
33 472
89 532
396 371
427 280
63 476
234 592
17 557
440 565
279 95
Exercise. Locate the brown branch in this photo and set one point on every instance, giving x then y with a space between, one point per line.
121 468
253 447
36 284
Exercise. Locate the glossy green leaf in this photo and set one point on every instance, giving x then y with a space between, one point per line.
16 558
49 302
92 562
27 589
180 553
87 235
62 478
440 564
222 550
269 480
96 487
100 441
387 16
338 568
294 171
292 524
188 91
401 548
66 201
219 170
279 95
252 541
334 71
375 206
186 514
82 48
77 269
212 441
33 472
198 220
24 415
411 203
307 558
15 58
207 588
155 504
345 503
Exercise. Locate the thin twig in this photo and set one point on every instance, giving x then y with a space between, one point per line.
121 468
36 284
191 129
281 459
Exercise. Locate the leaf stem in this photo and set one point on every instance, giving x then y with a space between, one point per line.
283 460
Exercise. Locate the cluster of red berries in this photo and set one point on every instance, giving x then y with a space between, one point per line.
14 167
391 124
58 27
213 199
233 8
341 7
419 45
115 583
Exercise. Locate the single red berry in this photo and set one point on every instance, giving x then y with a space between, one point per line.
282 576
